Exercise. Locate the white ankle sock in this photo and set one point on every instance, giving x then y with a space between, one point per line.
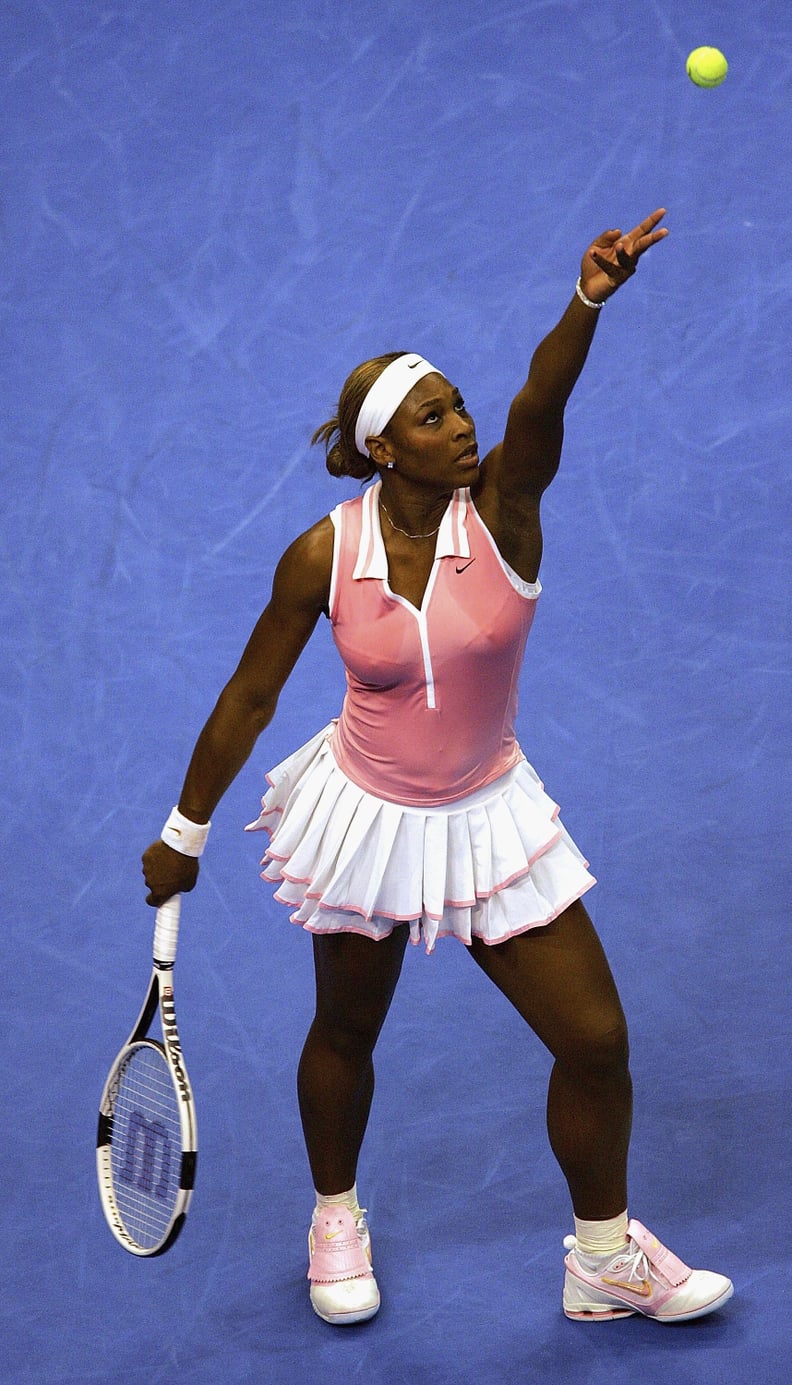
601 1237
348 1199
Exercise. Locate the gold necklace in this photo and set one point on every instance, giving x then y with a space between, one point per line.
430 535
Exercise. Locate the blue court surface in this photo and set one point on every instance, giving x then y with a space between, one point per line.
210 213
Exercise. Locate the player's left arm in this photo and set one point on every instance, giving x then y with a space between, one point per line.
528 457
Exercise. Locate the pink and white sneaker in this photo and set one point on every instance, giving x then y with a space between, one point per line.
343 1287
643 1278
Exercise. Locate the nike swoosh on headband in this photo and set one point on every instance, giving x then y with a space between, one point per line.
389 390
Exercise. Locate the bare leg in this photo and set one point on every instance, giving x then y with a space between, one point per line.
559 980
355 981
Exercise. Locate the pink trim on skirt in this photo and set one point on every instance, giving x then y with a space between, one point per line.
491 865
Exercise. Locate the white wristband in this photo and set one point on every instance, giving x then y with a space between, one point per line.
187 837
589 302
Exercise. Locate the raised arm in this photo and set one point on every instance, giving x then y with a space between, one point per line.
518 470
247 704
534 432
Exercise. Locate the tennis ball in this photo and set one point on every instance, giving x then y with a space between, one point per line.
707 67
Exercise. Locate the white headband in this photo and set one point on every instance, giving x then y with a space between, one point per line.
386 394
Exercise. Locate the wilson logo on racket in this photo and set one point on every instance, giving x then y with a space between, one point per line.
152 1139
171 1036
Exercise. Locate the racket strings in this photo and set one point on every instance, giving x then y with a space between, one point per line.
146 1146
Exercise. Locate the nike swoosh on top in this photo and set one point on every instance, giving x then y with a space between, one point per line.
465 567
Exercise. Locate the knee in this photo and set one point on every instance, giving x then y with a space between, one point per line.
349 1035
600 1048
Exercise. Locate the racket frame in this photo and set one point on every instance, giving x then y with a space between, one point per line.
159 997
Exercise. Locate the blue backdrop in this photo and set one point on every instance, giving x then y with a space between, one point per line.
210 213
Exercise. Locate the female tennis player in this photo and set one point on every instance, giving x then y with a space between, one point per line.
415 814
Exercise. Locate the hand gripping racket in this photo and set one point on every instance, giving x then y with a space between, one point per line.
146 1143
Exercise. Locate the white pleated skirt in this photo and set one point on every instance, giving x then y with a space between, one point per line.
490 865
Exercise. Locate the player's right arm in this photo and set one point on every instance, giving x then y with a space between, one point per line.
300 592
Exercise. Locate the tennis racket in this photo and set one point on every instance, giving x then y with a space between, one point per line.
146 1143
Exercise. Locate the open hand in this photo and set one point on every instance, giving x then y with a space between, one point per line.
612 258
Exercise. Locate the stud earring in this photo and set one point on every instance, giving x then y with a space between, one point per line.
390 466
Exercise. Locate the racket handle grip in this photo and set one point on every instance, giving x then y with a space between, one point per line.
166 930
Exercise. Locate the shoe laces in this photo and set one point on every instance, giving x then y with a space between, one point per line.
632 1266
629 1264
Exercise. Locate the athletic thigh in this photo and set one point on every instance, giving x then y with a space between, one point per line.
356 977
558 978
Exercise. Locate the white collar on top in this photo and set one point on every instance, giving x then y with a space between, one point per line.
452 539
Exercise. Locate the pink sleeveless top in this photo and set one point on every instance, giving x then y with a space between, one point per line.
431 699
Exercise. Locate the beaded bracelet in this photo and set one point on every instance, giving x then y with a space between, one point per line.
589 302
